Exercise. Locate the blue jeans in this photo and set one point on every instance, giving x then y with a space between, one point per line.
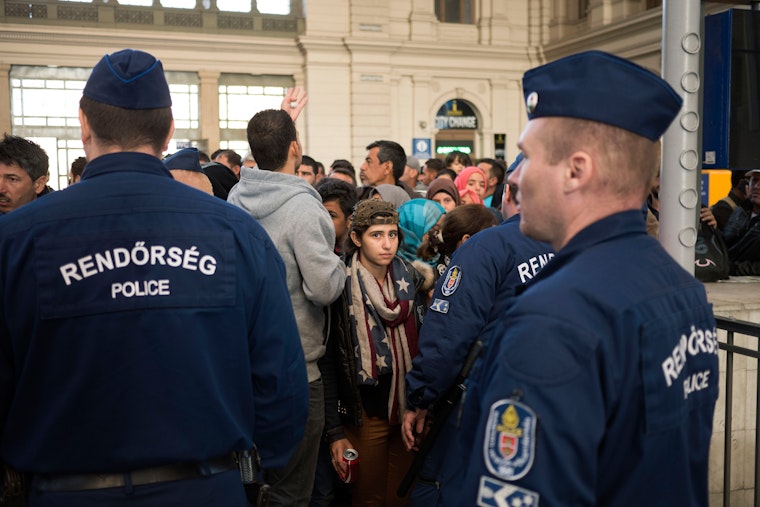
291 486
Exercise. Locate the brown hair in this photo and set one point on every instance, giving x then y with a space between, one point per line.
443 239
128 128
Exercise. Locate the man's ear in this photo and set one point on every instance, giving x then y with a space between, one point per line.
168 138
85 127
293 150
39 184
579 171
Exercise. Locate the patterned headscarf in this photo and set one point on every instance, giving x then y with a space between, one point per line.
416 217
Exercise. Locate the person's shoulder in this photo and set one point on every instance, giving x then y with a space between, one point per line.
41 210
494 241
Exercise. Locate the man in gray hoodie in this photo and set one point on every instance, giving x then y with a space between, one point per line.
291 212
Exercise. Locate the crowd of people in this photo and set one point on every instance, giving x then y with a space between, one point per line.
229 330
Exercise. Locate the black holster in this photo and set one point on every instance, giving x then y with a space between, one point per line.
256 491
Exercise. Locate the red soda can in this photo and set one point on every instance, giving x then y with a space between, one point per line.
351 459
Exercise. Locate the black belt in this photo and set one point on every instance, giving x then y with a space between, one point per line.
166 473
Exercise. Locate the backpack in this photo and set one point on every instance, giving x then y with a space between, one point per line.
711 262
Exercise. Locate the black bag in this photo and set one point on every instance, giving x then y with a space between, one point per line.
711 261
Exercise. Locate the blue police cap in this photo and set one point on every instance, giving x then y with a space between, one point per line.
186 159
514 164
129 79
602 87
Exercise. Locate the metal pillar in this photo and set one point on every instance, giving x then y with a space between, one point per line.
680 172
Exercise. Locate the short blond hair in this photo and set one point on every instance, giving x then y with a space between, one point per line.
627 161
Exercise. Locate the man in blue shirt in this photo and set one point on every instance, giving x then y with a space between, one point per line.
602 387
146 333
469 300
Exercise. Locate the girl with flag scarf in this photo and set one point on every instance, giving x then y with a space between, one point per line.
371 344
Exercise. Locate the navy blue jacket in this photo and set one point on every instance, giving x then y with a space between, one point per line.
602 390
475 291
143 323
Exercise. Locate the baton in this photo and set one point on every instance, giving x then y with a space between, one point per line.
443 410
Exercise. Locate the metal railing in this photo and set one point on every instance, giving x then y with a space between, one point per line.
733 327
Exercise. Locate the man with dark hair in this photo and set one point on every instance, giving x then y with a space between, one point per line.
23 170
291 211
736 197
77 168
320 170
339 198
430 171
411 171
600 386
384 164
495 170
146 334
742 231
308 170
343 170
231 159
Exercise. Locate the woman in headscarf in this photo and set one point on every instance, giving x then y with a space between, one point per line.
473 179
458 226
444 192
416 217
370 349
468 196
392 194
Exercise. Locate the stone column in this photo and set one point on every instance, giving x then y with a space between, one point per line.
5 98
209 108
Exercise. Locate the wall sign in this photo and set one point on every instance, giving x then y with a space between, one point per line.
456 114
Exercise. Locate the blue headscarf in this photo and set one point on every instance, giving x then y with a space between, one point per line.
416 217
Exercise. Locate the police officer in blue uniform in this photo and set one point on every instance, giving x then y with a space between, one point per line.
468 301
602 389
146 332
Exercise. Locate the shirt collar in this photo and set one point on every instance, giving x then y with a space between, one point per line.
125 162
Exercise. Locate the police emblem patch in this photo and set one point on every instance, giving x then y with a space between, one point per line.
510 440
453 277
440 306
493 493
